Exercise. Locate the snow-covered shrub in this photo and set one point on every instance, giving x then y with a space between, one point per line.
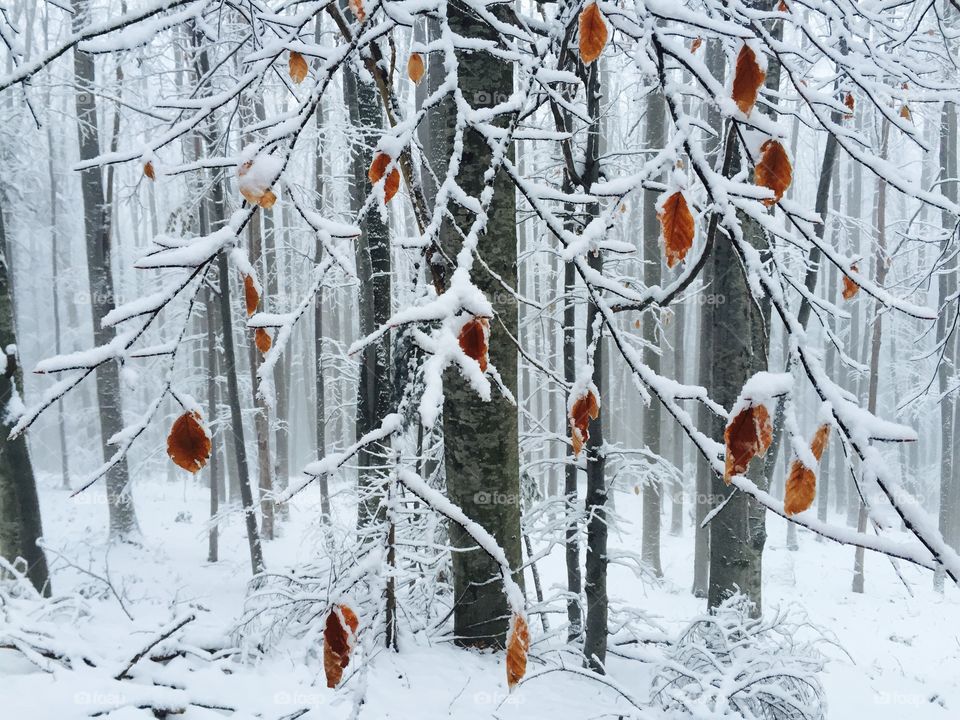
731 665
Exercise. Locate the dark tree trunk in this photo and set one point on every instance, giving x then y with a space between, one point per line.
481 442
20 524
96 218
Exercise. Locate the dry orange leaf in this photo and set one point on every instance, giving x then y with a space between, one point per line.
773 171
747 79
749 434
695 45
849 102
262 340
593 33
251 295
905 113
518 644
801 487
149 171
415 68
356 6
473 340
377 169
298 67
338 637
850 288
188 443
585 409
676 228
254 195
782 7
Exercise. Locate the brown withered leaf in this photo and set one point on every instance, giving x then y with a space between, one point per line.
849 102
518 644
695 45
820 440
149 171
850 288
800 490
473 340
676 228
749 434
585 408
298 67
377 169
338 638
593 33
251 297
773 171
905 113
747 79
188 443
254 195
801 487
782 7
356 7
262 340
415 68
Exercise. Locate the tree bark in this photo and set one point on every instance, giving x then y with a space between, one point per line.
20 523
96 220
481 442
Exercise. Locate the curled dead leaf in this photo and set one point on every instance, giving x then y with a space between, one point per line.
297 67
377 169
747 435
149 171
695 45
415 68
676 228
251 294
473 339
849 102
188 443
801 486
850 288
773 171
262 340
585 408
747 79
518 644
593 33
905 113
356 7
253 191
338 638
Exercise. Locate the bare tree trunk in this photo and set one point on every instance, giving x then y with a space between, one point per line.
879 277
595 577
946 288
20 524
652 489
96 216
481 439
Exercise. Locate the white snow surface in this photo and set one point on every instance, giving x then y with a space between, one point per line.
892 656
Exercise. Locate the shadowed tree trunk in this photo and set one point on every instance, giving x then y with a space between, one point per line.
20 525
373 273
656 136
96 220
481 442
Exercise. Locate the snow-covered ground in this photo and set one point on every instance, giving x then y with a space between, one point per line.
892 655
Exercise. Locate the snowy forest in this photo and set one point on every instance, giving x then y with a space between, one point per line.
561 359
